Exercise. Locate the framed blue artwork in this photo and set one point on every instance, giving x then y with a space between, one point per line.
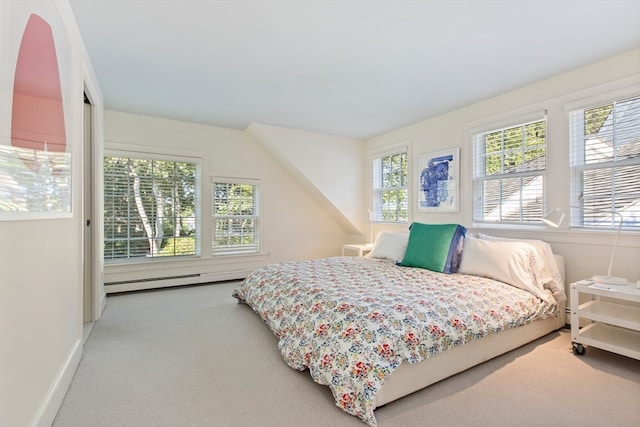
438 181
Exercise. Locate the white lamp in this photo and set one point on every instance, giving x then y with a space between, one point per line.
554 219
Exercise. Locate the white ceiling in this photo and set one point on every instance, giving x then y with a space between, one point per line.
348 68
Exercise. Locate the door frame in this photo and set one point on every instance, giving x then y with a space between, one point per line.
88 288
93 189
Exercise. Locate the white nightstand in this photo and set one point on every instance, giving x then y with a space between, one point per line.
614 315
361 249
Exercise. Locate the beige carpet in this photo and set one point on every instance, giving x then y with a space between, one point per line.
194 357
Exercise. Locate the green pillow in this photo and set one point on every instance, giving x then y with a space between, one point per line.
436 247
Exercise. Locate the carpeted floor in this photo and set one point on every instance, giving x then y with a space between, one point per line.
192 356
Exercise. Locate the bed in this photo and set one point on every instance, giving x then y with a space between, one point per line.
375 329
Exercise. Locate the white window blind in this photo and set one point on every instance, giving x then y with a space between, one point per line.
151 205
605 164
390 188
236 216
509 173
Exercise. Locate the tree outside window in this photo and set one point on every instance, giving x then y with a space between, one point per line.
236 216
390 188
150 208
509 172
605 164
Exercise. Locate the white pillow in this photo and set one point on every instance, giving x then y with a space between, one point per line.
551 277
515 263
390 246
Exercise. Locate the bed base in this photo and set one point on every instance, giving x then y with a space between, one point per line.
409 378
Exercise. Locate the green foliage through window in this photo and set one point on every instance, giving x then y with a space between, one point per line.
605 162
509 174
149 208
235 217
390 188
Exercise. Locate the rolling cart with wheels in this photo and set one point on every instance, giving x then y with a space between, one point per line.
613 316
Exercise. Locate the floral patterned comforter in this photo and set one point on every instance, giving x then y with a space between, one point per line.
352 321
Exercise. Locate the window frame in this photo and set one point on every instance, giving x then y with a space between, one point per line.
477 135
155 156
588 213
234 250
377 159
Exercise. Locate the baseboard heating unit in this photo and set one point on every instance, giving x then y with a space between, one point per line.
169 281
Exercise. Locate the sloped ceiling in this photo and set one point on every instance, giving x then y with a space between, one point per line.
328 167
349 68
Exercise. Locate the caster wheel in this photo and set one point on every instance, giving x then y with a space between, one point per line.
578 349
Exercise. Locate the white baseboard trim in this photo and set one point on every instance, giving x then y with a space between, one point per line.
48 408
101 305
178 281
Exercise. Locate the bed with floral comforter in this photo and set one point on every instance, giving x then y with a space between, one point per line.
352 321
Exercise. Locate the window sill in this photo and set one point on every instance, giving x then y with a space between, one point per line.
578 236
241 255
508 227
150 260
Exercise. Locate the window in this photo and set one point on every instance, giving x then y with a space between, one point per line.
390 188
605 164
236 216
508 176
150 207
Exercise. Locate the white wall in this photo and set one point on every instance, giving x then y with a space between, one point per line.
327 166
305 216
295 224
586 253
41 260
